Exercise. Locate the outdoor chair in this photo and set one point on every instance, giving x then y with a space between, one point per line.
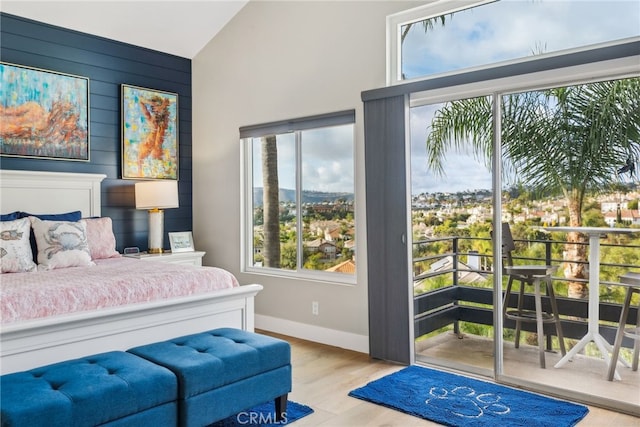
529 275
632 282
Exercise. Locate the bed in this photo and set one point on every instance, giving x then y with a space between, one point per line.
47 337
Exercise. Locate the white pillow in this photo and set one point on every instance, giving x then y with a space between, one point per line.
15 247
61 244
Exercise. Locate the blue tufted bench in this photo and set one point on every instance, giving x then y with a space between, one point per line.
111 389
223 371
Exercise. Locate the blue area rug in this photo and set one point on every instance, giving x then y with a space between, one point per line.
265 416
456 400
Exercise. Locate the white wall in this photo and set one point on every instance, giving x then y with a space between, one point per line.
277 60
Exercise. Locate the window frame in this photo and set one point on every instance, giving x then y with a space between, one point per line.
437 8
296 126
417 14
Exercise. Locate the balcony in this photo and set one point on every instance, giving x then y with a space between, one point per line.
453 321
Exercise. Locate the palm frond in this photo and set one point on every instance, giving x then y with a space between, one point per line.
569 139
460 125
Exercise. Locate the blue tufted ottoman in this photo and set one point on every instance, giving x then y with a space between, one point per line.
113 389
223 372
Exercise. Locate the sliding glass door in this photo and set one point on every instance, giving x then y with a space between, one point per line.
559 155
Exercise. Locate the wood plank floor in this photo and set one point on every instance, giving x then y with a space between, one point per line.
324 375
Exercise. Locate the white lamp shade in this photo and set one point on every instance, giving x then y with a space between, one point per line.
156 194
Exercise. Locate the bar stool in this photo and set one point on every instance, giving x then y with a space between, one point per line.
632 282
534 275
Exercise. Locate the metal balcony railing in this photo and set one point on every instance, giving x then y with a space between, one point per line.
454 302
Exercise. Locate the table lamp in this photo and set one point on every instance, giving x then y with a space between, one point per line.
156 196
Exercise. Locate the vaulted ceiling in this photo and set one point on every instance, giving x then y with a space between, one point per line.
180 28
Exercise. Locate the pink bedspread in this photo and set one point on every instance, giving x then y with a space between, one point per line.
110 283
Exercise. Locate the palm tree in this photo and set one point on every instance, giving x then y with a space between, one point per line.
567 140
271 202
427 24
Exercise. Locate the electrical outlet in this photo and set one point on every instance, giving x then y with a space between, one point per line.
315 307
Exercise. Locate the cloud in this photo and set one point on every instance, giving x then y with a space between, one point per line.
462 170
327 160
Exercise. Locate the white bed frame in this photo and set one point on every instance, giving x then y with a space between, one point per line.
25 345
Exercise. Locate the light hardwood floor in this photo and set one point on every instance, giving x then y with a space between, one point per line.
324 375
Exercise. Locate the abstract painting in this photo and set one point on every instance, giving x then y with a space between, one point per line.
43 114
149 133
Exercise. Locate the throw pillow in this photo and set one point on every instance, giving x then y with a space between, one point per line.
61 244
14 246
100 237
67 216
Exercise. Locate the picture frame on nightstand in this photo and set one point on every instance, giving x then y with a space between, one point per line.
181 241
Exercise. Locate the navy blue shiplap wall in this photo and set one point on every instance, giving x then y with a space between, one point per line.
107 64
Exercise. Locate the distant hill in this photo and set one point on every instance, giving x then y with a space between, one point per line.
287 195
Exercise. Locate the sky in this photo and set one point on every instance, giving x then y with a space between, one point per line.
492 33
463 171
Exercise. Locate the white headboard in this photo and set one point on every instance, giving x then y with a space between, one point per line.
50 192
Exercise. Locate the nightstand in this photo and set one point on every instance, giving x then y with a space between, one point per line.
188 258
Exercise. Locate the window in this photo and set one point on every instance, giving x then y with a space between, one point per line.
299 197
446 36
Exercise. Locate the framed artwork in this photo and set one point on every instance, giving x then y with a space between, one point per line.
181 242
149 133
44 114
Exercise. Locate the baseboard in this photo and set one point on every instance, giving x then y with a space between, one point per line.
350 341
